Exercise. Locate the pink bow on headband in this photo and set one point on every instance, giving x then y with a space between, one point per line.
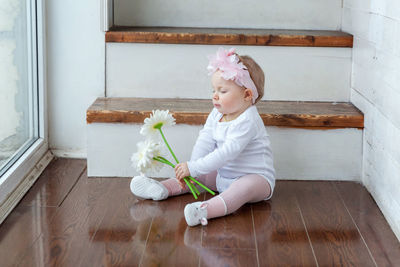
228 63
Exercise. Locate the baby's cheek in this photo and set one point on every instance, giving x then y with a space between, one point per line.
229 103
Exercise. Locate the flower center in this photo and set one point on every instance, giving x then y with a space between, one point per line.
158 125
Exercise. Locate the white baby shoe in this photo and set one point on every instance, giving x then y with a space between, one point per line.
196 213
147 188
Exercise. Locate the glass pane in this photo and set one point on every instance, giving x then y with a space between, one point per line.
18 86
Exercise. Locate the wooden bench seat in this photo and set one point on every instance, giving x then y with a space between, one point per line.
311 115
221 36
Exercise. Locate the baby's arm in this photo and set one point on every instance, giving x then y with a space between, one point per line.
238 138
205 142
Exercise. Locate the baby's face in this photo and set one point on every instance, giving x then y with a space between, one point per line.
228 97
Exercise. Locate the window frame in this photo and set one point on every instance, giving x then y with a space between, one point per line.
107 14
19 177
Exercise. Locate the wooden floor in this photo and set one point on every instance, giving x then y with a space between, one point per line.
67 219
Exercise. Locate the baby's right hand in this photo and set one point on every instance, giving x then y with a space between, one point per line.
181 182
181 171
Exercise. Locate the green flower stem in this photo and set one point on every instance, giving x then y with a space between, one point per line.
194 186
162 160
203 186
190 187
173 166
165 161
165 140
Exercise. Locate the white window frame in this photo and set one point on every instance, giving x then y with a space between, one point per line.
17 180
107 14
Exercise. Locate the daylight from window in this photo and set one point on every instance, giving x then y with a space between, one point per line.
18 128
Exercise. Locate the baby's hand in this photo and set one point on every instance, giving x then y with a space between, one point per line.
181 171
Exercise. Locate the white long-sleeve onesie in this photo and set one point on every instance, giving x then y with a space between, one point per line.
235 148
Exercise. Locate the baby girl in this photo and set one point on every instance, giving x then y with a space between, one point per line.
232 153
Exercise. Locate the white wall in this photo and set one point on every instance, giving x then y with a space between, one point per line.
131 72
272 14
376 91
75 71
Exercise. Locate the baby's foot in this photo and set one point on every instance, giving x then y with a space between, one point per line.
147 188
196 213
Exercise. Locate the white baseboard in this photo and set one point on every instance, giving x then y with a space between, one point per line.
18 193
73 154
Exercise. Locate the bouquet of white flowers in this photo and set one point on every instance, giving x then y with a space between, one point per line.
149 154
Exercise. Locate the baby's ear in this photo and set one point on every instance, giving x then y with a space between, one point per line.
248 94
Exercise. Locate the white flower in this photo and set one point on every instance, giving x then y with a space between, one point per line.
157 119
143 158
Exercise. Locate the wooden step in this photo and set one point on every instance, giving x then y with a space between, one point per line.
174 70
222 36
310 115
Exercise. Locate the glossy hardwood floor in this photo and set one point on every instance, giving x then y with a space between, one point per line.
67 219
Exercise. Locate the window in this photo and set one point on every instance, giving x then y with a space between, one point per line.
18 82
23 138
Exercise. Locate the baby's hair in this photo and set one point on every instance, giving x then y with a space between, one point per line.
256 74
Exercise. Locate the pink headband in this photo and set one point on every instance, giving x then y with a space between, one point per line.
228 63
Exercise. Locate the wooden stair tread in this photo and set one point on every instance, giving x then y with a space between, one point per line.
325 115
224 36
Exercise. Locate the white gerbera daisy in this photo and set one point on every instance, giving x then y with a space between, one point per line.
157 119
143 158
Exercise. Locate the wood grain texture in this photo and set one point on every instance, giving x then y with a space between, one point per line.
55 183
227 257
195 111
100 223
120 238
214 36
66 240
377 234
20 230
170 239
279 229
334 236
230 232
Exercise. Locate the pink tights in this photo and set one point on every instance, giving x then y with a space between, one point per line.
247 189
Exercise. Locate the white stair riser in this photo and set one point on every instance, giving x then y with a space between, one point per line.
287 14
298 153
171 71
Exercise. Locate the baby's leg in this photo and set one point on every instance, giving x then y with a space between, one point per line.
175 189
249 188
